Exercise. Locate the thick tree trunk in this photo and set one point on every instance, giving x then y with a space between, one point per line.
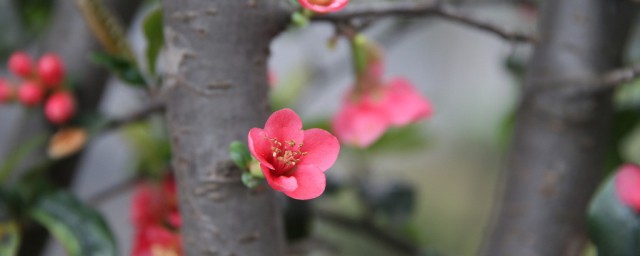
217 53
560 140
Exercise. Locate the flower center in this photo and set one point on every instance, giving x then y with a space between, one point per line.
321 2
285 155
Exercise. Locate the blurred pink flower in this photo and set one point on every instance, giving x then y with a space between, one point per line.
627 183
293 160
365 116
403 104
323 6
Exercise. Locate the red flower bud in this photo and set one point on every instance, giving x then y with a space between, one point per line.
6 91
30 93
20 64
60 107
627 185
50 70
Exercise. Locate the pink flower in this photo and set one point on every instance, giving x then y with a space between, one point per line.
155 204
627 183
293 160
403 104
361 121
324 6
156 240
364 118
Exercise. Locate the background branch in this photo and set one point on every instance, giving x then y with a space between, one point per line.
384 236
430 7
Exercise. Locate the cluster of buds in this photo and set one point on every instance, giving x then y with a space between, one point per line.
33 83
156 219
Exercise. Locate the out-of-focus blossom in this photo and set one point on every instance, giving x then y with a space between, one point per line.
60 107
20 64
324 6
156 219
7 92
627 183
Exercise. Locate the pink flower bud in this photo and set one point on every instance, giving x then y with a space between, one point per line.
323 6
30 93
627 183
6 91
60 107
51 70
20 64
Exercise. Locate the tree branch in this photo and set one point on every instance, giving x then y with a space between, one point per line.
621 75
426 7
383 236
152 107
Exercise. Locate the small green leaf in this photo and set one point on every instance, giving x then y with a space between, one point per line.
154 34
401 139
9 232
124 68
395 200
250 181
299 19
240 154
359 45
81 230
14 158
614 228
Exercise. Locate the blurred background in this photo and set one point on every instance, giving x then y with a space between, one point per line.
432 185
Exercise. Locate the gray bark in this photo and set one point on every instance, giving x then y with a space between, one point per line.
216 69
560 141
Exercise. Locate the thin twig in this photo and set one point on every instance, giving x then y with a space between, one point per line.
399 244
425 7
621 75
585 85
149 109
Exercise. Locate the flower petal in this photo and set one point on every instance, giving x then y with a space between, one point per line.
260 147
333 6
284 125
628 186
404 104
311 182
322 149
280 183
360 124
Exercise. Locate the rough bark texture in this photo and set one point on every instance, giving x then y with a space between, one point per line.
558 149
216 67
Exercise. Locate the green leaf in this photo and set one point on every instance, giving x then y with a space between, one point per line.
624 121
614 228
154 34
152 148
250 181
14 158
299 20
240 154
9 232
395 200
124 68
81 230
401 139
